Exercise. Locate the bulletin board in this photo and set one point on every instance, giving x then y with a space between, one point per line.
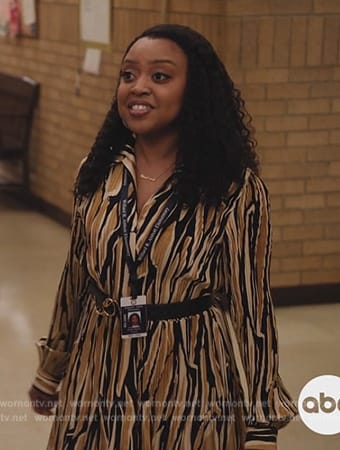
18 18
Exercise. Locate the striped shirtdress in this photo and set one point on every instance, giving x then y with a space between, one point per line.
204 382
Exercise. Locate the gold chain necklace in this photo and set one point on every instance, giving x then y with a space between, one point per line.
147 178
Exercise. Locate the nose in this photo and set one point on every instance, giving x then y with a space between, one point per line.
141 87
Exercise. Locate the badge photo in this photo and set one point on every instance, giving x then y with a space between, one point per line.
133 317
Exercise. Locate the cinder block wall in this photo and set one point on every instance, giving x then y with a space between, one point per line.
284 55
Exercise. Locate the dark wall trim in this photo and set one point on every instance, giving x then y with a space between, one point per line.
311 294
50 210
282 296
41 205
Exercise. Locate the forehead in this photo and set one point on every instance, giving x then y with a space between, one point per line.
153 50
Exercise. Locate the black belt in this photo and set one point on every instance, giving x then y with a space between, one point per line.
107 306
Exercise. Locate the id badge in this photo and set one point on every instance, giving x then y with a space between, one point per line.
133 317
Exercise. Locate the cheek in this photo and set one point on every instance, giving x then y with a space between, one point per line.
122 90
178 96
177 100
120 98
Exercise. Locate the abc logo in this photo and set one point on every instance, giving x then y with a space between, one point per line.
324 404
319 404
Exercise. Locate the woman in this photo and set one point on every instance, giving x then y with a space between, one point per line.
170 221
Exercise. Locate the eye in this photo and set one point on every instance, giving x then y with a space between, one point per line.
126 75
160 76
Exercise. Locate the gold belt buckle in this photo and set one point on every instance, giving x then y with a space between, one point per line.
104 309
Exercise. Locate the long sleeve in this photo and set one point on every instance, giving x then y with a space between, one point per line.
267 405
55 349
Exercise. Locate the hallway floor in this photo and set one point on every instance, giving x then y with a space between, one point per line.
32 252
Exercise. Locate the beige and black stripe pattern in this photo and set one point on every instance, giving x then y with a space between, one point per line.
177 388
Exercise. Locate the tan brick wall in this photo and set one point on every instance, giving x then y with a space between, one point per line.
285 57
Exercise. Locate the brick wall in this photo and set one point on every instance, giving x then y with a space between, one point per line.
285 57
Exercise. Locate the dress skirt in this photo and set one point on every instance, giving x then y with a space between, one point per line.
171 390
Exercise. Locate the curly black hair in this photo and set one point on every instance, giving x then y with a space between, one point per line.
214 134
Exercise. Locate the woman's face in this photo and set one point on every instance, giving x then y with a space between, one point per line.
152 82
134 320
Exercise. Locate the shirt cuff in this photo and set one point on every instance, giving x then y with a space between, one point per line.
261 438
52 367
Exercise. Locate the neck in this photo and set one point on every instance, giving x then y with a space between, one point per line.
154 151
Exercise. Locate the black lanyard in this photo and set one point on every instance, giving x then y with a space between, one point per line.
131 263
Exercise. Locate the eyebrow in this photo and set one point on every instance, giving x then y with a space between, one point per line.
154 61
